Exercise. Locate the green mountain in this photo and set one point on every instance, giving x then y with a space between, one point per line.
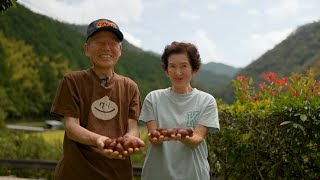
298 52
221 69
36 51
213 77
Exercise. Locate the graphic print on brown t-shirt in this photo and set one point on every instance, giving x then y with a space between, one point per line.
104 108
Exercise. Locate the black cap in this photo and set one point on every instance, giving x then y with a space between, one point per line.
104 25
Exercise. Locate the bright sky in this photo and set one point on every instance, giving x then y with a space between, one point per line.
233 32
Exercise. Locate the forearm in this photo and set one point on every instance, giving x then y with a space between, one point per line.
198 136
79 134
151 125
133 129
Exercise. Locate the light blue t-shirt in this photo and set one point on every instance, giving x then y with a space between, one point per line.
173 160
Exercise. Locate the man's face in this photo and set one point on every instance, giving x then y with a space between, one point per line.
103 49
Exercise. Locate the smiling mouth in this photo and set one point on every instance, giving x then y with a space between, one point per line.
106 55
104 111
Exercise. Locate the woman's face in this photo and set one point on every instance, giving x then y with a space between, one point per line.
179 70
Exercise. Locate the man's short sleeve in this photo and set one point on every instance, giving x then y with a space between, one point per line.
135 105
66 102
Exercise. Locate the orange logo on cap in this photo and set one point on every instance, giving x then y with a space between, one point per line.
104 23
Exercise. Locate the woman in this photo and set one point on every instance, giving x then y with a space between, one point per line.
176 156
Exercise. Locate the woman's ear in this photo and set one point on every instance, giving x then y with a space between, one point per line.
166 71
195 72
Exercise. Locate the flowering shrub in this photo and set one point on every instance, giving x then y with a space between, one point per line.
298 94
271 131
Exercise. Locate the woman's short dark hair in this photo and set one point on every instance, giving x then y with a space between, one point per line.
181 48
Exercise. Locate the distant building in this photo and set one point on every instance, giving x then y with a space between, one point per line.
53 124
25 128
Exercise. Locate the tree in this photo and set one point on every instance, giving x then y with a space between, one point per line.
5 4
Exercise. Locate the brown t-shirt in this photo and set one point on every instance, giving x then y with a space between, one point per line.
101 109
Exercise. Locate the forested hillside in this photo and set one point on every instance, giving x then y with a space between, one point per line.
214 77
299 51
35 53
221 69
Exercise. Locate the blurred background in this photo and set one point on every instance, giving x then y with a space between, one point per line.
41 41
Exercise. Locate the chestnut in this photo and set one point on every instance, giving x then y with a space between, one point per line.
112 145
107 142
172 132
155 134
120 140
164 132
183 132
119 148
190 131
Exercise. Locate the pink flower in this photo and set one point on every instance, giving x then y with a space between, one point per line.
282 81
264 76
318 63
273 92
241 78
271 77
245 96
262 85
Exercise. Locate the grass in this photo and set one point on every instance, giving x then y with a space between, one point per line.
138 159
52 136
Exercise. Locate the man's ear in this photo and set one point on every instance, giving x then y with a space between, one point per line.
86 49
120 49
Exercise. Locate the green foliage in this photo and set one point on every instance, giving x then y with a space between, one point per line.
251 147
27 146
5 4
47 37
271 133
298 92
25 78
4 105
28 81
51 72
